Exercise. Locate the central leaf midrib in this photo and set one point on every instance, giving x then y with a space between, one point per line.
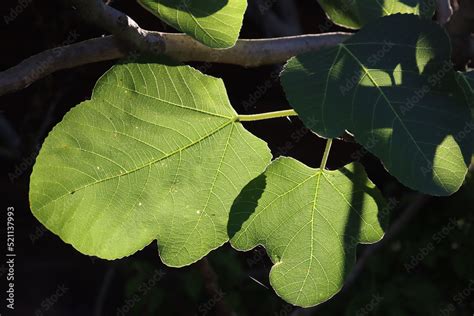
313 210
143 166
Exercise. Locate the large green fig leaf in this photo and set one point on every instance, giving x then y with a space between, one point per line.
215 23
155 154
355 14
310 222
393 87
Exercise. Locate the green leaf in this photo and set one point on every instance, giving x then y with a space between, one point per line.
393 87
310 222
155 154
466 81
355 14
215 23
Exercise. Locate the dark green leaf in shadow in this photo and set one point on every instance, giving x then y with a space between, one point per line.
392 85
466 81
355 14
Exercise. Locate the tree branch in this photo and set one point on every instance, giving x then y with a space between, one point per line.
49 61
129 36
445 11
460 27
246 53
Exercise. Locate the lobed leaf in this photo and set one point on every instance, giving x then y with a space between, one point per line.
215 23
355 14
310 222
155 154
395 90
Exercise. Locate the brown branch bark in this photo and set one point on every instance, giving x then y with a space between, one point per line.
246 53
49 61
460 27
128 36
444 11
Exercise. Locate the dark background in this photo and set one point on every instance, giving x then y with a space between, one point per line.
427 268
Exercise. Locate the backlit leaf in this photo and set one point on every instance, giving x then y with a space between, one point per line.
155 154
215 23
310 222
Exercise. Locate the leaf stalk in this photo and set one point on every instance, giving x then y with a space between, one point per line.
266 116
326 154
